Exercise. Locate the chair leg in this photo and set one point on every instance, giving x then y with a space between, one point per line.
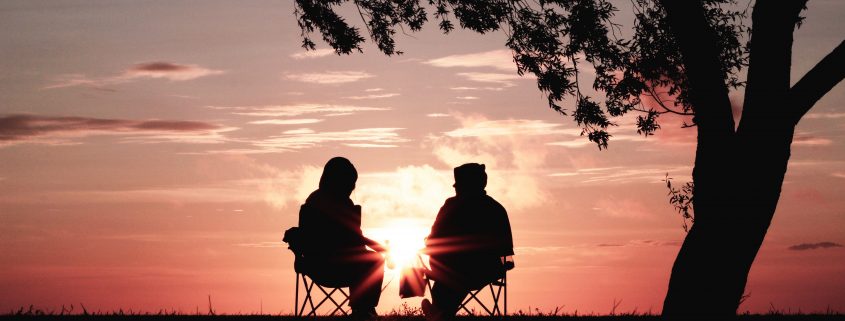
296 299
495 301
505 278
309 299
497 309
473 296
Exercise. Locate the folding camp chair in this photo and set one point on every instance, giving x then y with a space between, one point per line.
498 291
329 294
294 238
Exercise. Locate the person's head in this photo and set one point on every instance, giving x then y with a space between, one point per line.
339 177
470 178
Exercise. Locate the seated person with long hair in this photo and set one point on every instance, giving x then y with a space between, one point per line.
336 251
469 237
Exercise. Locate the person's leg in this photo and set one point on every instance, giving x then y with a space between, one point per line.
447 299
368 275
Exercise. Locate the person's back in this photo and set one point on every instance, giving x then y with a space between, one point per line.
468 238
470 235
335 252
333 224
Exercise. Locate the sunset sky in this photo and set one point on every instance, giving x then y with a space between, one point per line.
153 152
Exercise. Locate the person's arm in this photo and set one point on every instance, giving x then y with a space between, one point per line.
374 245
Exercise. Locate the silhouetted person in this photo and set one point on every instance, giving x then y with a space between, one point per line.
335 249
467 242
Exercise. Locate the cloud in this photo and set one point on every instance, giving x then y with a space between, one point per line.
330 77
465 88
823 115
370 90
405 192
310 54
270 244
59 129
513 150
170 71
809 140
155 70
814 246
281 188
297 110
307 138
467 97
621 175
364 145
498 59
505 80
301 121
435 115
373 96
641 243
623 208
482 127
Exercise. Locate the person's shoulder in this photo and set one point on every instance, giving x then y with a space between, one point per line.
314 197
493 202
450 202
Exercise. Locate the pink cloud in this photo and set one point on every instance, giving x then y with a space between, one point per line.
156 69
33 128
498 59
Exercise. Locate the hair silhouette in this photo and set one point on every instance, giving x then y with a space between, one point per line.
339 177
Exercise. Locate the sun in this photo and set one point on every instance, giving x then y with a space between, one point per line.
404 238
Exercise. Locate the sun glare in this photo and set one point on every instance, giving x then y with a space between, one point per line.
404 238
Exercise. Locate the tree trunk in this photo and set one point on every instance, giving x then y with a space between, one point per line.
738 175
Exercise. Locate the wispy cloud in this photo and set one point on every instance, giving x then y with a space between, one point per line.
823 115
365 145
467 97
498 59
465 88
435 115
814 246
301 121
810 140
481 127
307 138
309 54
170 71
297 110
330 77
513 151
626 208
154 70
619 175
267 244
373 96
60 129
641 243
506 80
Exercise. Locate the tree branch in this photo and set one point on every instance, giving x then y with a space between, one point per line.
700 55
817 82
770 62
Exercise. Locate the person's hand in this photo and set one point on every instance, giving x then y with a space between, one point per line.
378 248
